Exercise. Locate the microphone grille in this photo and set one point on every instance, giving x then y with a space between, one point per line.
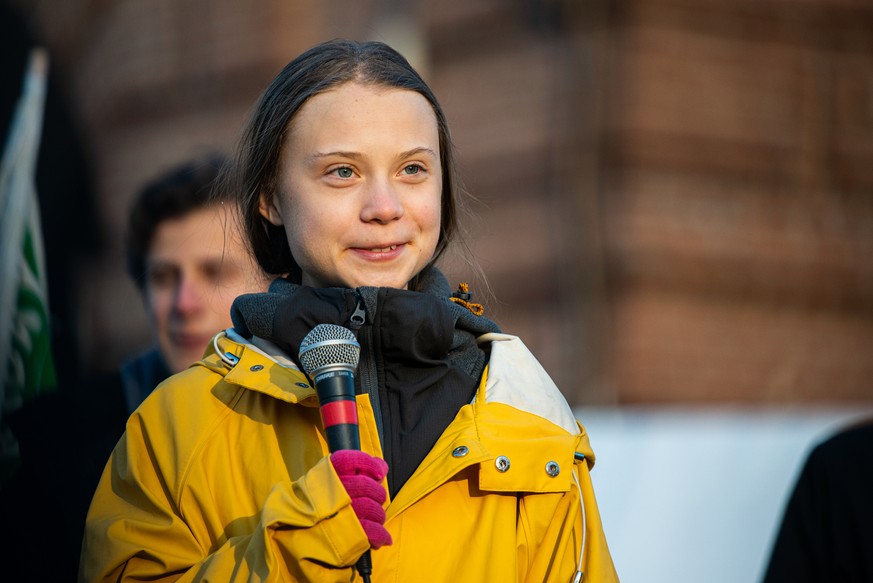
329 344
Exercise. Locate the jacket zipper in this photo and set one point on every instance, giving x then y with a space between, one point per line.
367 363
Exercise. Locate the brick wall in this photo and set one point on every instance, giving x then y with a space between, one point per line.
675 197
739 201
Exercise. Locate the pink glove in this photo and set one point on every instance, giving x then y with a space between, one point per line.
361 475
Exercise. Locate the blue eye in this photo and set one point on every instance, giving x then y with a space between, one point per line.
344 172
412 169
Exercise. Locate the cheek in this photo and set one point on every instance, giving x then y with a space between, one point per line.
158 304
430 221
295 234
308 225
225 295
305 238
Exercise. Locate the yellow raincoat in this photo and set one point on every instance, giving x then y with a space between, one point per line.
223 475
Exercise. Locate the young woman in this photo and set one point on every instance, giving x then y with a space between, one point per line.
345 176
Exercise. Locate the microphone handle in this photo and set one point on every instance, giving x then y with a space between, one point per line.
339 416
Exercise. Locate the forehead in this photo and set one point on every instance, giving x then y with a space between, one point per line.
211 231
358 111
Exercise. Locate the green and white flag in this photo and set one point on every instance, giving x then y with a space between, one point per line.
26 365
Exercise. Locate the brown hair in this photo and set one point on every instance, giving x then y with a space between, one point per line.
317 70
176 192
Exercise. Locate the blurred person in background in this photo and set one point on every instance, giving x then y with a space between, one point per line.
186 255
826 532
189 261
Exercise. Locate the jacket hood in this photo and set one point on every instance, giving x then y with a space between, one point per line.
420 362
255 314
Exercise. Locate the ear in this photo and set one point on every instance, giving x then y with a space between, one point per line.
268 210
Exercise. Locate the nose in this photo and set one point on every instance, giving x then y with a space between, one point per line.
188 299
382 203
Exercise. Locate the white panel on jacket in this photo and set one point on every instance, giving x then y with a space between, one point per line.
516 378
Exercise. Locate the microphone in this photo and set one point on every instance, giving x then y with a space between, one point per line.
329 355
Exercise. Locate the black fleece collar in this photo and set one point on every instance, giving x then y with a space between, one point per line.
419 358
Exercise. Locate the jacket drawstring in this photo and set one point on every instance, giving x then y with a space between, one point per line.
228 358
579 574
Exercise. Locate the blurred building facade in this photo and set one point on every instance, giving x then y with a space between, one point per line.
675 198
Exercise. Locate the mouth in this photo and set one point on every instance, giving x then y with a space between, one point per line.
383 249
190 341
385 252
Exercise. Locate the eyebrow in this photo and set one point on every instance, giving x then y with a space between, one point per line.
419 150
358 155
338 153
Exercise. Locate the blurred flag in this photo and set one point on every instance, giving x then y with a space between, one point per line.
26 366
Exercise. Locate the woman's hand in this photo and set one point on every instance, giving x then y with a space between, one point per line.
361 474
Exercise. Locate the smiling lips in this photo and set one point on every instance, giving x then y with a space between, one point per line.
387 253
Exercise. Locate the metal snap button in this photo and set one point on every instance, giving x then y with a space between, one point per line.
553 469
256 367
501 463
460 451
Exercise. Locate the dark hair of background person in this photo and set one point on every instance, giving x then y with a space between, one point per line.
174 194
317 70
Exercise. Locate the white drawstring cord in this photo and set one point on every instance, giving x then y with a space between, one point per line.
577 576
229 359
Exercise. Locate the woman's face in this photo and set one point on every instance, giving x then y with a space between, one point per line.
360 183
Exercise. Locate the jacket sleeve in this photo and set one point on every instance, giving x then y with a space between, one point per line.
135 531
554 534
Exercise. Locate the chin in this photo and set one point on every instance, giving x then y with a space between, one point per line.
354 278
367 280
381 282
185 360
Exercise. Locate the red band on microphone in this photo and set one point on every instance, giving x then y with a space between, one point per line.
339 412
